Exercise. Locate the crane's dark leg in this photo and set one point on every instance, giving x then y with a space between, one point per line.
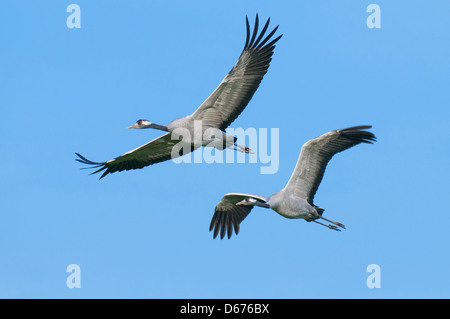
333 222
329 226
233 147
239 148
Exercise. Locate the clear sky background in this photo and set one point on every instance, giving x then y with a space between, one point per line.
144 233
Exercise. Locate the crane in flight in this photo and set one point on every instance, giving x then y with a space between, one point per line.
216 113
295 200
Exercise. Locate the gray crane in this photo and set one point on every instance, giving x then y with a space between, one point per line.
295 200
216 113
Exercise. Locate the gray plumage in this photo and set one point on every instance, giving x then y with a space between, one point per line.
217 112
295 200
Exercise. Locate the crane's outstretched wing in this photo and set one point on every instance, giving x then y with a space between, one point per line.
158 150
228 215
232 95
316 154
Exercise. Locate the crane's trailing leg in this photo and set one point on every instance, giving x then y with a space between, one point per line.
329 226
333 222
239 148
246 149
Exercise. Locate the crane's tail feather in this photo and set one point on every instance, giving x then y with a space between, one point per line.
319 210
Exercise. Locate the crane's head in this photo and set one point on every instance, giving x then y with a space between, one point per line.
250 201
141 124
247 201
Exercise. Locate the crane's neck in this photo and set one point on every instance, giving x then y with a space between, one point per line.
261 204
158 127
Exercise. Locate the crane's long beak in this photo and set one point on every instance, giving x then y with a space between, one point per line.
133 126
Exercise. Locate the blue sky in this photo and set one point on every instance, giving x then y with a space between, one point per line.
144 233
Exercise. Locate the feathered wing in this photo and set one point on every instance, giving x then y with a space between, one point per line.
227 215
316 154
230 98
158 150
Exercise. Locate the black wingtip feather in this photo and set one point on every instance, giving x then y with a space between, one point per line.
248 32
263 31
271 43
359 134
254 42
255 31
260 45
93 164
84 160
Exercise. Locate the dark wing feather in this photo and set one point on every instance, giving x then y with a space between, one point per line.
316 154
155 151
231 97
227 215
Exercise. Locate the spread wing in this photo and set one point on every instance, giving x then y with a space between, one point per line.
316 154
232 95
158 150
228 215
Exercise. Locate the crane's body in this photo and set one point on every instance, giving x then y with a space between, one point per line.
288 205
202 135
